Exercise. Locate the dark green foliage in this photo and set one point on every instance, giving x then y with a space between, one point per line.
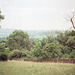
62 37
67 41
19 54
59 47
1 16
28 54
3 45
71 42
19 46
49 47
15 54
37 50
18 40
23 53
72 33
72 55
3 56
51 50
66 56
7 50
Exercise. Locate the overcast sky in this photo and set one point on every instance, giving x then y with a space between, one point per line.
36 14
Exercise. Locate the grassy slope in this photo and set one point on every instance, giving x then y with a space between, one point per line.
36 68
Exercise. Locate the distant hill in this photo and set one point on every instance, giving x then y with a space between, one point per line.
32 34
5 32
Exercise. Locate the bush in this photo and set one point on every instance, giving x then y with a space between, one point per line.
15 54
3 57
72 54
40 58
7 50
23 53
11 55
18 54
28 54
2 47
66 56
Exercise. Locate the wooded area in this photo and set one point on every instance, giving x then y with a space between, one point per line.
18 45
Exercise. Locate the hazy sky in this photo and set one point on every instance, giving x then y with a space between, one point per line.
36 14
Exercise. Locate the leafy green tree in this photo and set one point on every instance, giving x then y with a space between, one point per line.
67 41
72 55
72 33
3 56
66 56
1 17
44 41
15 54
71 42
50 49
37 50
48 39
18 40
3 45
62 37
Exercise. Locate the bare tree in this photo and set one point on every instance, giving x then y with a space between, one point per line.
71 18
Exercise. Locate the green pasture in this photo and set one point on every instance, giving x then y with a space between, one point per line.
36 68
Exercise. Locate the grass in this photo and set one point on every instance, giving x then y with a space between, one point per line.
36 68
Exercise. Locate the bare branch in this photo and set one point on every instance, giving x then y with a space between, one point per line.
71 19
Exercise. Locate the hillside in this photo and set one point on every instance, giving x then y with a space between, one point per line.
32 34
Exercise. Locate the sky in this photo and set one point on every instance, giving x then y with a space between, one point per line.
36 14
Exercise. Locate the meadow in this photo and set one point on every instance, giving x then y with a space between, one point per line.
36 68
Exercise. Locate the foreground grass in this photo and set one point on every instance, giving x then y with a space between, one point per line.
36 68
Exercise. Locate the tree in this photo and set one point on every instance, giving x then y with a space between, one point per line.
3 45
37 50
67 41
50 48
3 56
48 39
71 42
72 55
1 17
71 19
18 40
62 37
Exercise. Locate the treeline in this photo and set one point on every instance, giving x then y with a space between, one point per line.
18 45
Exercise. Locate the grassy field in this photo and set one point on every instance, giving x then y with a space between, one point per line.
36 68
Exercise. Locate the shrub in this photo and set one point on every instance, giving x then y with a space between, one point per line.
7 50
11 55
23 53
28 54
66 56
3 57
40 58
72 54
15 54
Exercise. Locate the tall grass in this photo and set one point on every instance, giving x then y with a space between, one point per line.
36 68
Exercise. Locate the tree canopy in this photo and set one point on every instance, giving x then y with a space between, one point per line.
1 17
18 40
